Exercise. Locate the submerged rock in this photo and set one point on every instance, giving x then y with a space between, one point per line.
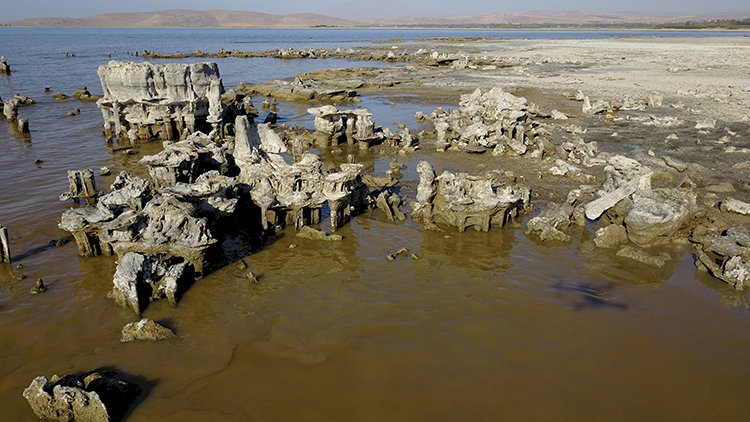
611 236
637 254
39 287
145 330
314 234
100 395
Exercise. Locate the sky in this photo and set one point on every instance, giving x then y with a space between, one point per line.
367 9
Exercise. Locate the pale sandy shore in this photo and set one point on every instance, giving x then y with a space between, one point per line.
712 74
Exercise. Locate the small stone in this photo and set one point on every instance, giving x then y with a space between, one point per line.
104 171
241 264
735 206
393 255
724 187
38 162
558 115
675 163
39 287
708 123
252 277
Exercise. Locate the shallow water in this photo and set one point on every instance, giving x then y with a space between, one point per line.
481 326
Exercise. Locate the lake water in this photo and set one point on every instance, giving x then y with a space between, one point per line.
485 326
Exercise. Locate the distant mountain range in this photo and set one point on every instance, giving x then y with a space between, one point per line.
191 19
556 18
229 18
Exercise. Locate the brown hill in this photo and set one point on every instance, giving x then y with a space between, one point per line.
191 19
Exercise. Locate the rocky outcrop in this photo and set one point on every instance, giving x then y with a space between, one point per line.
10 109
465 201
295 193
160 102
4 66
81 185
100 395
352 126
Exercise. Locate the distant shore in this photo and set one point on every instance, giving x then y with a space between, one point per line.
409 27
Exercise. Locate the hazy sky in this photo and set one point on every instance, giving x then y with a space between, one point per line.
363 9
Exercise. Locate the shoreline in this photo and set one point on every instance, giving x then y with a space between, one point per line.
409 28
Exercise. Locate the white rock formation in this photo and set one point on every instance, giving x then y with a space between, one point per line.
148 101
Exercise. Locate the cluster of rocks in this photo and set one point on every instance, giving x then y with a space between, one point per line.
654 100
494 120
465 201
10 111
722 242
632 217
162 229
99 395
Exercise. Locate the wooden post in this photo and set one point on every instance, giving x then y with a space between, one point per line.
4 245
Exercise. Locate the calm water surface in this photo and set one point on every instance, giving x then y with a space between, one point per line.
484 326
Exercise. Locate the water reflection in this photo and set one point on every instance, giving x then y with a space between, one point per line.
591 296
729 297
605 262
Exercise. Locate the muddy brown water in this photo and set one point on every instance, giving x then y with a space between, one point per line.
482 326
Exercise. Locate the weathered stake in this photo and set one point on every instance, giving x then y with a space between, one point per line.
4 245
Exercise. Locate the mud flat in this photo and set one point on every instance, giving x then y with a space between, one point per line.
575 193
